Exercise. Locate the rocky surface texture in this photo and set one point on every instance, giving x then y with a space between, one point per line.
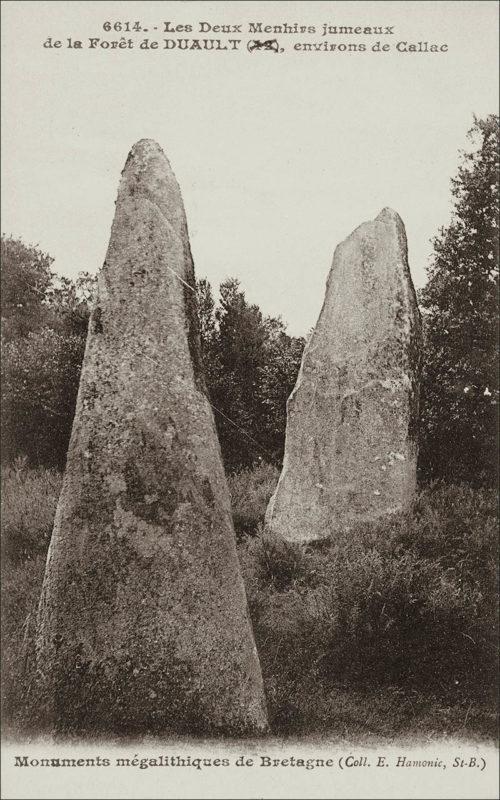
143 622
351 437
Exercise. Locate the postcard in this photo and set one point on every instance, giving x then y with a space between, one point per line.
249 399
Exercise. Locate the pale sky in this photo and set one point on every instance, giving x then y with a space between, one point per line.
279 157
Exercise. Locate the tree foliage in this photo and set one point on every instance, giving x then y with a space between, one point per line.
251 365
44 326
40 377
460 304
26 278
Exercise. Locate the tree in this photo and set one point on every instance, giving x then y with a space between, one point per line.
278 375
208 332
70 303
40 377
235 390
44 328
26 277
250 366
460 307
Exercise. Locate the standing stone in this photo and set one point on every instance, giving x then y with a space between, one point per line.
143 622
351 436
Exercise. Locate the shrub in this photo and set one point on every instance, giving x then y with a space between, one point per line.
40 377
29 499
251 490
408 605
21 584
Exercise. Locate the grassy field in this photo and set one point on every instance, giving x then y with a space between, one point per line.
386 632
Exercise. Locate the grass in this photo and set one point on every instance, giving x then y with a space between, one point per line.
29 499
389 631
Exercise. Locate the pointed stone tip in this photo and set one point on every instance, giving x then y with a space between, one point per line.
388 214
144 151
146 146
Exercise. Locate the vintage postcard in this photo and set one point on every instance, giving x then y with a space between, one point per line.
249 399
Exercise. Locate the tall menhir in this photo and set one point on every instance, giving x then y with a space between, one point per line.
143 622
352 419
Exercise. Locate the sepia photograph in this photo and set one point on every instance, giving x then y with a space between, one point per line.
249 399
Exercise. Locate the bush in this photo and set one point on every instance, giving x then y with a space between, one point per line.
406 606
251 490
40 377
29 499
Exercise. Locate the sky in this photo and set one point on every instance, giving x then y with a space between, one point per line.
279 156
